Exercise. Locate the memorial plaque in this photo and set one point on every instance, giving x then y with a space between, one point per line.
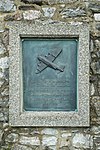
49 74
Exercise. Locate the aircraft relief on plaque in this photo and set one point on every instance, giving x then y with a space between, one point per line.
49 74
47 61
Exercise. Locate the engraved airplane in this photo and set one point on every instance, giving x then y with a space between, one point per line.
47 61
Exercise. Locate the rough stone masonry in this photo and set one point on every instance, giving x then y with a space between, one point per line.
51 11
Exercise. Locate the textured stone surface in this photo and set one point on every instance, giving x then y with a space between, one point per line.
96 67
12 137
1 134
67 12
31 14
39 2
66 135
95 7
29 141
1 73
98 26
61 1
97 16
96 129
1 25
98 86
97 43
92 89
65 142
1 83
7 6
49 131
49 11
3 114
2 48
97 139
98 148
4 62
49 141
96 102
11 17
20 147
82 141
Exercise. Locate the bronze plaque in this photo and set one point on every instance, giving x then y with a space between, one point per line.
49 74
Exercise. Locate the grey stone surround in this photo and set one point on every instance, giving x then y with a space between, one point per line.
21 117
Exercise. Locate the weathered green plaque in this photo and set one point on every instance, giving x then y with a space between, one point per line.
49 74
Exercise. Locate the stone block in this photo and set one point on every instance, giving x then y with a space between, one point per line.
72 12
97 43
97 105
97 139
98 86
65 142
5 91
1 25
82 141
13 137
95 129
49 131
4 62
1 134
49 11
20 147
7 6
3 114
32 141
1 74
5 126
61 1
49 141
1 82
66 135
98 148
95 109
31 14
95 67
98 26
95 7
3 103
52 147
2 48
92 89
11 17
97 16
5 38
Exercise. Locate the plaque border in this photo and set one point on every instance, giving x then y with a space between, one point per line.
19 117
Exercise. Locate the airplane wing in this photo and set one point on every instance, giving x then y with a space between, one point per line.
40 66
51 57
53 54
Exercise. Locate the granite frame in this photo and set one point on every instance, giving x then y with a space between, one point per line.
19 117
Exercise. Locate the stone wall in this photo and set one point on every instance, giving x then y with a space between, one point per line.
51 11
